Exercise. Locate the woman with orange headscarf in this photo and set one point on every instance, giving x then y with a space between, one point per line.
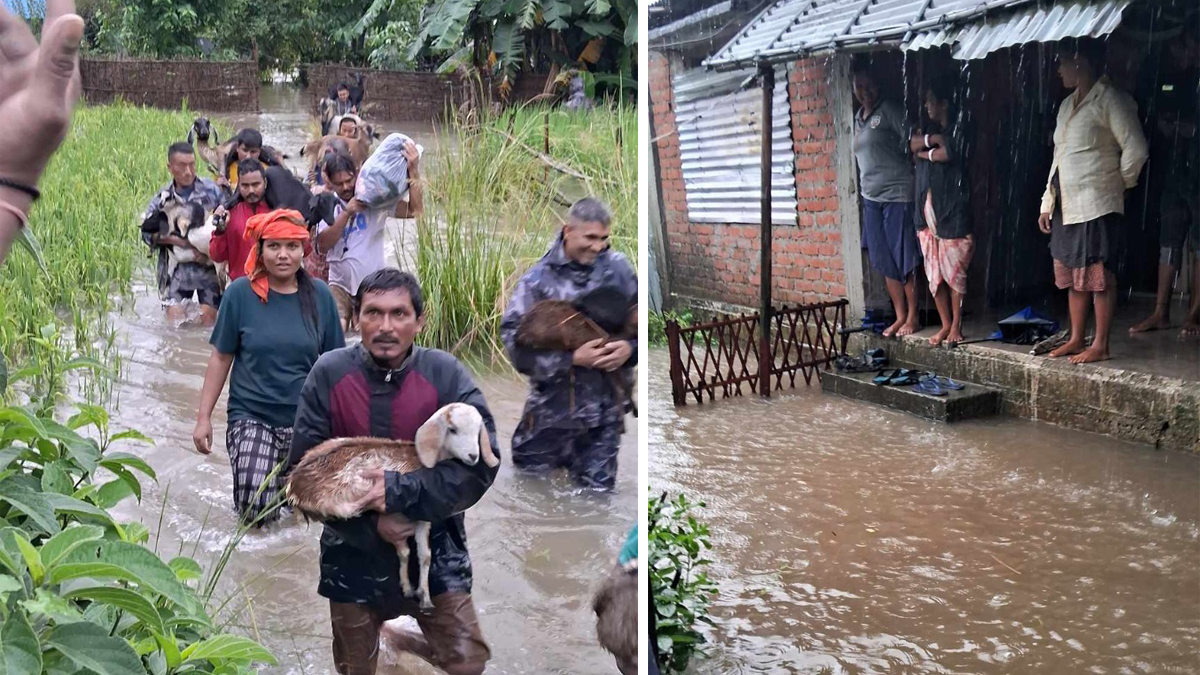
272 326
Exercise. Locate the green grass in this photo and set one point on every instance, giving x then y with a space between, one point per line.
93 190
494 206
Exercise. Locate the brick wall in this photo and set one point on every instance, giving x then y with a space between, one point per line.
720 262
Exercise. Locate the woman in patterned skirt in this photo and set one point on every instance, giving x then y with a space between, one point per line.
271 327
943 209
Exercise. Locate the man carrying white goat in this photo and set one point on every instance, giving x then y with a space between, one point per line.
387 387
574 416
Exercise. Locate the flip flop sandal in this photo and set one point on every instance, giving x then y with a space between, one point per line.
884 376
930 387
943 382
905 377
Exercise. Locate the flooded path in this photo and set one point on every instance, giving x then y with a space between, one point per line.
853 539
538 550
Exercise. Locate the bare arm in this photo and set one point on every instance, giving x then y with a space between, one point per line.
329 237
416 197
214 381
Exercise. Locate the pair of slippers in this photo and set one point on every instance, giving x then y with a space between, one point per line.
871 361
936 385
921 382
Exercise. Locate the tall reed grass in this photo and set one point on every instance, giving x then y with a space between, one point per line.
493 207
111 163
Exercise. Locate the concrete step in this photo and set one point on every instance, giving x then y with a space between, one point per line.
972 401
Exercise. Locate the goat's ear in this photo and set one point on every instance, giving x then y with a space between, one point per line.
429 443
485 448
192 135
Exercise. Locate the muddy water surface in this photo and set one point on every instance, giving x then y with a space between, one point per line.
538 549
853 539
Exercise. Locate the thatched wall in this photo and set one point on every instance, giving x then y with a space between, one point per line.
403 95
215 86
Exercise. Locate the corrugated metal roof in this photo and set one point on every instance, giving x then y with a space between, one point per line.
1032 24
720 148
788 29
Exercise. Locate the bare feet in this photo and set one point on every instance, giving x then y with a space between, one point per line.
1156 321
1071 347
891 330
1191 327
1092 354
939 337
911 326
955 336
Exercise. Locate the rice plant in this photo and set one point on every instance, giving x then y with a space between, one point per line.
498 201
94 190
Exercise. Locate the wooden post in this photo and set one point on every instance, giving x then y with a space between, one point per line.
766 76
677 393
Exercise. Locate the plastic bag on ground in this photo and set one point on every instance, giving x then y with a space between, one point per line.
383 179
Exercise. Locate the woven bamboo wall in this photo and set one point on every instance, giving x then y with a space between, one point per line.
215 86
410 95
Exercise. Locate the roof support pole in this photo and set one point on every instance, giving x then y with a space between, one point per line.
766 77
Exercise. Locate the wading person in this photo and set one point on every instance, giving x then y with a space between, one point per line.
1177 103
943 209
387 387
573 417
353 243
1099 150
228 243
273 325
249 146
187 278
885 176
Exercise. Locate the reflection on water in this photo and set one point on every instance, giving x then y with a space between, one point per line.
853 539
538 549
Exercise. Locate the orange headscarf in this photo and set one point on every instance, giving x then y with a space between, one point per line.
277 224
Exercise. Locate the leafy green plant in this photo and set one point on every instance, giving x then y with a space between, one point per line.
681 587
657 329
78 591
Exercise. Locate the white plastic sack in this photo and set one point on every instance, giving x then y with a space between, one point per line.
383 178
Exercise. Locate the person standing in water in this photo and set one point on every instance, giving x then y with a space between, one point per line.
943 207
1099 150
885 176
273 324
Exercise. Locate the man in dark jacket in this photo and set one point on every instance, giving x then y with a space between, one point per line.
387 387
574 416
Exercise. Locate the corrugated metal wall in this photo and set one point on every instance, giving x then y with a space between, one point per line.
720 141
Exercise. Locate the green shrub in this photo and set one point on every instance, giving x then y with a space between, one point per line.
681 587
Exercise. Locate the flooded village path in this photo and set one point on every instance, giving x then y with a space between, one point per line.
854 539
538 550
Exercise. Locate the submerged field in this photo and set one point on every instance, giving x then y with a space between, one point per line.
492 207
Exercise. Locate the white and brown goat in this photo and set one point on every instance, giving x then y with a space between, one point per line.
191 222
329 482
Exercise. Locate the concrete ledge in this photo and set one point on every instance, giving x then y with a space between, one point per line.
971 401
1161 411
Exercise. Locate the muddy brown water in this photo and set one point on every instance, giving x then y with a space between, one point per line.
853 539
538 549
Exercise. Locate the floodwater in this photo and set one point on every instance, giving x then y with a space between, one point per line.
538 549
853 539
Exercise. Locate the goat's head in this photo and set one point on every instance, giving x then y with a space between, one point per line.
456 431
183 216
201 130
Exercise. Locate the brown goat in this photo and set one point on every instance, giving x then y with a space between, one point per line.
616 608
328 482
559 326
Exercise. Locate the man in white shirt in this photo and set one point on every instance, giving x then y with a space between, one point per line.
354 243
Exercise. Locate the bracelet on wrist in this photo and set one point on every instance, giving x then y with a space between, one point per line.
21 187
22 219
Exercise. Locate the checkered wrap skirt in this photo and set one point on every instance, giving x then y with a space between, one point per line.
255 449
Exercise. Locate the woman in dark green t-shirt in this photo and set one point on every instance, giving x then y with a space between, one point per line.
271 327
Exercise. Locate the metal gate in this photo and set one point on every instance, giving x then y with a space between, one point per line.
722 356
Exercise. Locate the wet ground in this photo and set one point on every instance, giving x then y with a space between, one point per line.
853 539
538 549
